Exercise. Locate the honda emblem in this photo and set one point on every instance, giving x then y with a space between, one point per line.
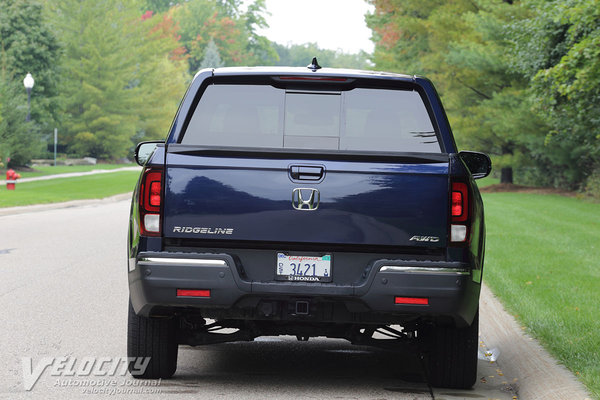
306 199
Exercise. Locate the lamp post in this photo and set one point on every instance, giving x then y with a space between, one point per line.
28 83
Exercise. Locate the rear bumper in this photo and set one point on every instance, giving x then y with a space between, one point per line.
154 278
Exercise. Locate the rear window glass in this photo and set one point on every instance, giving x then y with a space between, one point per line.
359 119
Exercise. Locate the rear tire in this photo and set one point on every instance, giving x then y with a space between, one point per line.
452 355
155 338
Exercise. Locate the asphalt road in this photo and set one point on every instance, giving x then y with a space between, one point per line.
63 293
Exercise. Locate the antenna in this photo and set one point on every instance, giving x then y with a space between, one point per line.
314 65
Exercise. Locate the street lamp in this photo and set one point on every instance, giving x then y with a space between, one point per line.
28 83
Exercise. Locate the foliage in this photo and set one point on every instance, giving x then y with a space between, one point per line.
27 45
122 83
558 47
19 140
111 73
300 55
519 79
211 59
162 76
156 6
222 22
592 186
461 46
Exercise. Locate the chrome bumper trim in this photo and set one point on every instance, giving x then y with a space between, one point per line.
182 261
425 270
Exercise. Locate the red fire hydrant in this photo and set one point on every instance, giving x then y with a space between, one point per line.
11 179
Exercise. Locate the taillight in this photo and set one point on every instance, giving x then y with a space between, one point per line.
150 202
460 202
155 187
459 212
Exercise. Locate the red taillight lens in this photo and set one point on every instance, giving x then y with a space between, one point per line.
155 193
457 204
150 202
460 202
422 301
151 190
193 293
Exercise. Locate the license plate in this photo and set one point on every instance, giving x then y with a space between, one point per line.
303 268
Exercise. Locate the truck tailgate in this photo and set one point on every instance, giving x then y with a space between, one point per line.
383 202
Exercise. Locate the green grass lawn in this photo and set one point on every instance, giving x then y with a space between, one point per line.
487 181
63 169
66 189
543 262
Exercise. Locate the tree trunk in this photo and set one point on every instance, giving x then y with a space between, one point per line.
506 175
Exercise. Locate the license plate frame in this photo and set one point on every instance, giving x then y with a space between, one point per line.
314 268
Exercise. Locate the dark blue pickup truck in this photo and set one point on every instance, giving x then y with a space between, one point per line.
308 202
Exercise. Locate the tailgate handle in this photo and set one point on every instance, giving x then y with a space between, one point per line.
304 173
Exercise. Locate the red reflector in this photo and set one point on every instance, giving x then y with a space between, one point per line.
192 293
412 300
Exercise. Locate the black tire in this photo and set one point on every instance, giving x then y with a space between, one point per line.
155 338
452 355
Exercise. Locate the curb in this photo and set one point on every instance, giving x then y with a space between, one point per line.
69 204
536 374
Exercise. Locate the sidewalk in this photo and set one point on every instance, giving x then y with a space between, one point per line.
73 174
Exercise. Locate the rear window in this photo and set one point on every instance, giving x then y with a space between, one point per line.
264 116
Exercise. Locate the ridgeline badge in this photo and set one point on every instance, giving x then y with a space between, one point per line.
202 230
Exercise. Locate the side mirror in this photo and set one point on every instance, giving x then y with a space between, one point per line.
479 164
144 150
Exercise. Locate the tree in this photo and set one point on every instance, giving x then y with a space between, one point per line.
520 79
163 76
300 55
121 82
488 97
401 34
20 141
465 48
233 32
27 44
558 47
211 59
261 49
156 6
